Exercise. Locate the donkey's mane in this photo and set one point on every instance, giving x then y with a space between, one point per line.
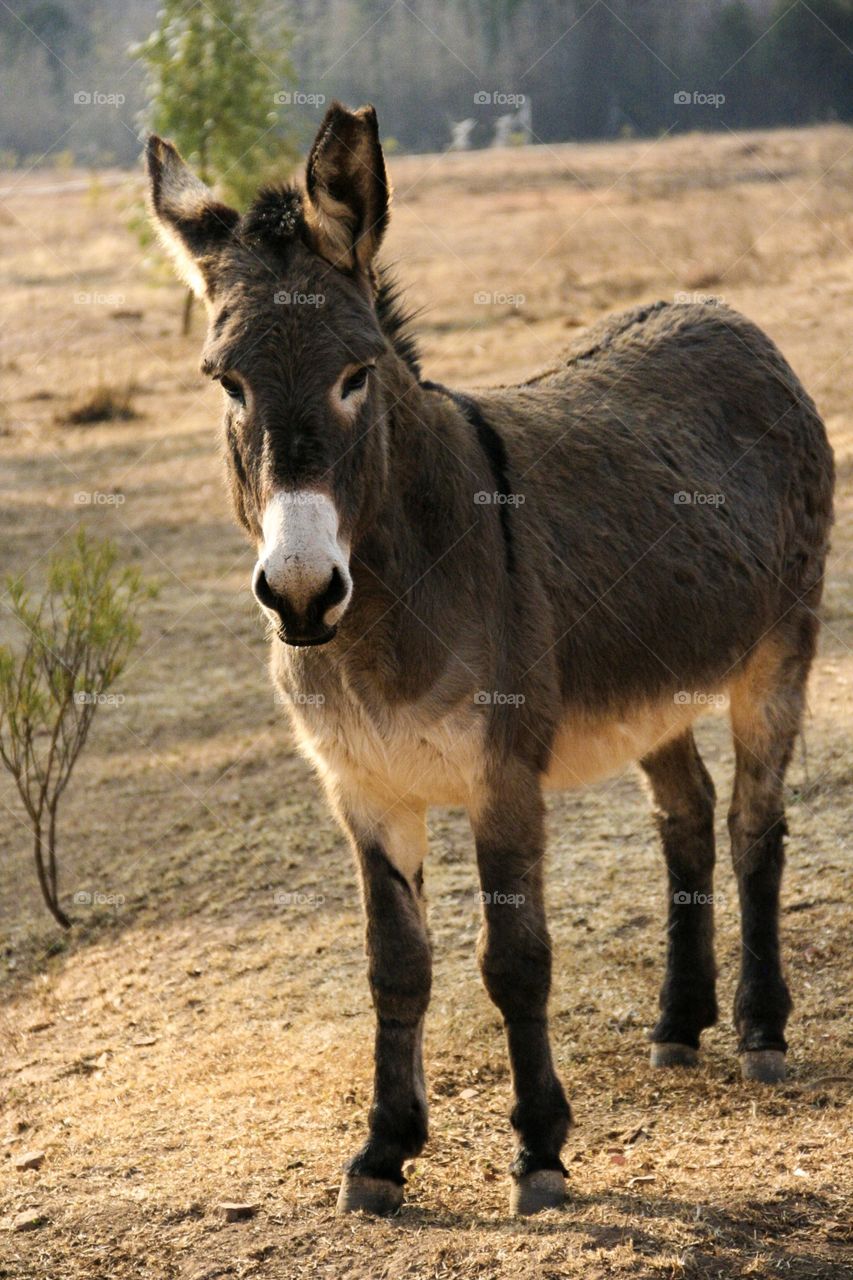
395 319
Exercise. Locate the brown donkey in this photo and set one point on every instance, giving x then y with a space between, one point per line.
477 596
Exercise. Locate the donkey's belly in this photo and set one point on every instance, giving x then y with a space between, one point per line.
586 750
442 761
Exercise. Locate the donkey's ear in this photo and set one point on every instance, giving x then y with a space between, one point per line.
348 191
192 224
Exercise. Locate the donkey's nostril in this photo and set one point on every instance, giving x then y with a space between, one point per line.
334 593
264 593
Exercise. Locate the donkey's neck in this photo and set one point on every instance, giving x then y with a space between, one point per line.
438 454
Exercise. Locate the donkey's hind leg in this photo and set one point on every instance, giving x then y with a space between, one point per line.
767 707
683 795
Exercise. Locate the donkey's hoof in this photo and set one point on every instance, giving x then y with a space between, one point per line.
674 1055
544 1189
765 1065
379 1196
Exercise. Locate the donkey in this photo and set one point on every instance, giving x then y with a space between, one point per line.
476 596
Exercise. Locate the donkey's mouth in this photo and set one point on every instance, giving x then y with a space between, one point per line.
307 639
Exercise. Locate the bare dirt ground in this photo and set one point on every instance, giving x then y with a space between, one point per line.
199 1037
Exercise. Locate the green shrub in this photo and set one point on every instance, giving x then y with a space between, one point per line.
72 644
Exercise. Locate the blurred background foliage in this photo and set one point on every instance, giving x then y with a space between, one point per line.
590 69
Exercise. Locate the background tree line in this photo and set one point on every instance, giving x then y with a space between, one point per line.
591 68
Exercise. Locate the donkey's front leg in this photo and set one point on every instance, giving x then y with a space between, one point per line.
515 960
390 857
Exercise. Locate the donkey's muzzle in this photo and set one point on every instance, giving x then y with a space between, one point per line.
305 626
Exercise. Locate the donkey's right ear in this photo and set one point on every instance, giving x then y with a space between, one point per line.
192 224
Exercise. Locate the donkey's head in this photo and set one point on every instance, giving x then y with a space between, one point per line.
293 339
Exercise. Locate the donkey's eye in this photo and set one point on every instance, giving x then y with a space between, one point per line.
233 389
355 381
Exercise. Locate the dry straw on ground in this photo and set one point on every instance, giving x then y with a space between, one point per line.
103 403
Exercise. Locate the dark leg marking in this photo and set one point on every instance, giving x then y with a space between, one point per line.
514 953
684 810
767 707
399 969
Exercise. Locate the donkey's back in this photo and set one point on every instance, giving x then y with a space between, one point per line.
671 483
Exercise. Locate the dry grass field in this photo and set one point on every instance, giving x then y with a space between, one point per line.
204 1034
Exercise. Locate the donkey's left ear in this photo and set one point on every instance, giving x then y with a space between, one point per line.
192 224
348 191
